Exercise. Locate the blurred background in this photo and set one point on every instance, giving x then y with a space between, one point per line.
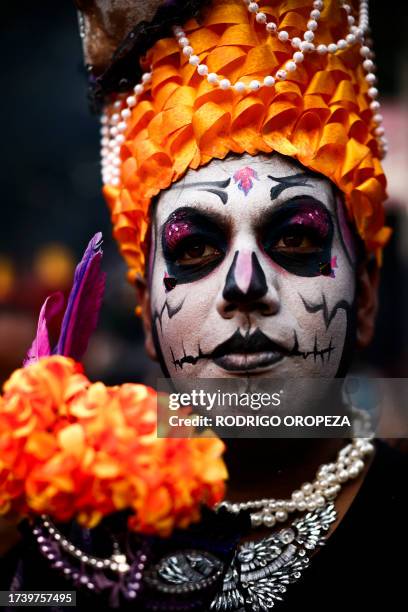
52 204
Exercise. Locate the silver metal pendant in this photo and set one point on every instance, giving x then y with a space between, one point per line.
261 571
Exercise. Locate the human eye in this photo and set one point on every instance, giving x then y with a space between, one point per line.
196 250
299 236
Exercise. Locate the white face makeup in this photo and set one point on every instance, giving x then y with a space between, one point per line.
251 272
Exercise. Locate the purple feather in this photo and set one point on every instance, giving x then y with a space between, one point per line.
41 343
84 303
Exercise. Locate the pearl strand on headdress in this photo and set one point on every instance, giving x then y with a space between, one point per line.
114 123
325 488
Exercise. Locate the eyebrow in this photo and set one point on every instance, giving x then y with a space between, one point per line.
284 182
215 187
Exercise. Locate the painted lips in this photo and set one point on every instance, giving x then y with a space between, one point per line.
249 352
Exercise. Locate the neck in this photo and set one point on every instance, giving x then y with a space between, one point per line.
275 467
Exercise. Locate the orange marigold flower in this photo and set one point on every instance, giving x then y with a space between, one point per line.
72 449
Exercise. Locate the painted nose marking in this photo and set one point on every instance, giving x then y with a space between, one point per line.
243 270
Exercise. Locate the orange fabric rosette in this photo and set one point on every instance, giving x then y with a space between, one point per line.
73 449
319 115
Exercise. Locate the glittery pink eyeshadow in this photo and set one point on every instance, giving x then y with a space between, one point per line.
313 217
176 231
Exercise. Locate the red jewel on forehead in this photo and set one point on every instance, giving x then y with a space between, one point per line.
313 216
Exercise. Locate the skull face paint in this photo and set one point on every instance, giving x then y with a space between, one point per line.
254 289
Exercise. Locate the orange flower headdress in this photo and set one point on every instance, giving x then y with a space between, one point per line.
293 76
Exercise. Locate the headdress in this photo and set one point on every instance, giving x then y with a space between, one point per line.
292 76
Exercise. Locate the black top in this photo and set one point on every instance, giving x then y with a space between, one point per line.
363 565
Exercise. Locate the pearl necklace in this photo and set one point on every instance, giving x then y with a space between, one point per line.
310 496
114 122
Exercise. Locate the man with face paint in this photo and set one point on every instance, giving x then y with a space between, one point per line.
241 165
244 183
253 272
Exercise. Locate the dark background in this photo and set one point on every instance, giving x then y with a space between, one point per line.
50 190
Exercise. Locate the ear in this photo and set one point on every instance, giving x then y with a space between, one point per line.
143 298
368 278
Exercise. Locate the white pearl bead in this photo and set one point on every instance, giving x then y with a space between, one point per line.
365 51
311 505
351 39
122 126
318 4
307 488
371 78
261 18
113 131
312 24
378 118
320 501
253 7
239 87
225 84
120 138
322 49
281 75
368 65
351 20
183 41
256 519
271 27
342 44
297 496
298 57
379 131
269 81
138 89
115 118
269 520
332 48
126 113
254 85
306 46
202 69
315 14
290 66
187 50
308 36
212 77
301 505
290 506
131 101
115 181
373 92
281 516
283 36
117 104
194 60
146 77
